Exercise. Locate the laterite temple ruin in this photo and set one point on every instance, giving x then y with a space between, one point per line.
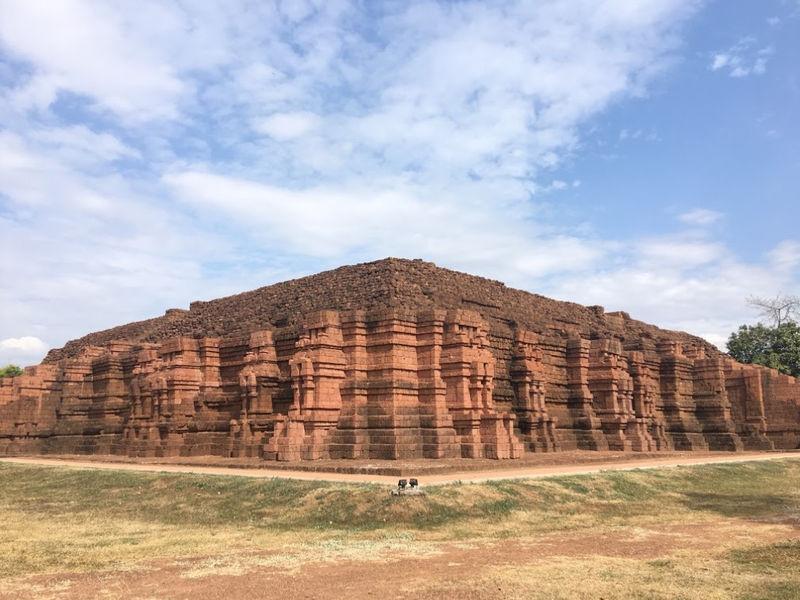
392 359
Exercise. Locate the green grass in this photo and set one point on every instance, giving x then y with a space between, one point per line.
731 490
749 489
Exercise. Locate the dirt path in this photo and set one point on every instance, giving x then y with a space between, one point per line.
433 479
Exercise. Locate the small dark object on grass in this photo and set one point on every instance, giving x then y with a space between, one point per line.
407 488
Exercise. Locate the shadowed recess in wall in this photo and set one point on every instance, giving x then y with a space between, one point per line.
393 359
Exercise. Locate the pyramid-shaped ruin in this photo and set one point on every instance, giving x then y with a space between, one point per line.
392 359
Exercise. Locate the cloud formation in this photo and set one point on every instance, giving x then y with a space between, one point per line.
700 217
11 349
742 59
153 154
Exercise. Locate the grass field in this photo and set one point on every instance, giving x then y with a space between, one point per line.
714 531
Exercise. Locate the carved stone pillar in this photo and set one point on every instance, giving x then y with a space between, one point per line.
317 370
587 426
645 399
712 406
537 428
612 392
468 372
676 378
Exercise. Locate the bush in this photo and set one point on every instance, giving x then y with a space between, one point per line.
10 371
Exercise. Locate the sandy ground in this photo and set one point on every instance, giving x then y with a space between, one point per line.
521 472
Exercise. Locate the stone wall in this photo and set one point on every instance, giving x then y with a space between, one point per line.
396 383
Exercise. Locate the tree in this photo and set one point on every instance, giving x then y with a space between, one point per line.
777 347
778 310
10 371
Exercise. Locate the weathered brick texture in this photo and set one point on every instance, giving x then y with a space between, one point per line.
392 359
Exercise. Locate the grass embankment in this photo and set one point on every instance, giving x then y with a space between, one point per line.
56 520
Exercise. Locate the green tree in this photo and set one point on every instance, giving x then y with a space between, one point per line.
10 371
777 347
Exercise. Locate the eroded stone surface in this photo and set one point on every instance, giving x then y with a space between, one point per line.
401 381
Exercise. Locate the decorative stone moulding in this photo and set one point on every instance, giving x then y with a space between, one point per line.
403 381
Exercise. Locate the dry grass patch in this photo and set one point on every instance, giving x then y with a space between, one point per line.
57 520
682 576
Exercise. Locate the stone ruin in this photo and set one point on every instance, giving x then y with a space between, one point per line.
414 374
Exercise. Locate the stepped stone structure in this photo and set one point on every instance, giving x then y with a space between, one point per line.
393 359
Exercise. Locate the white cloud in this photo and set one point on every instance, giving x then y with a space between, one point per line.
639 134
678 252
92 251
742 59
25 344
152 154
388 217
22 351
720 60
706 297
700 217
555 186
287 126
786 255
80 146
89 49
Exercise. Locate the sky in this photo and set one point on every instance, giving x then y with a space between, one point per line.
643 155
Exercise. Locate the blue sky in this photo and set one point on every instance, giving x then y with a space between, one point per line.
640 155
